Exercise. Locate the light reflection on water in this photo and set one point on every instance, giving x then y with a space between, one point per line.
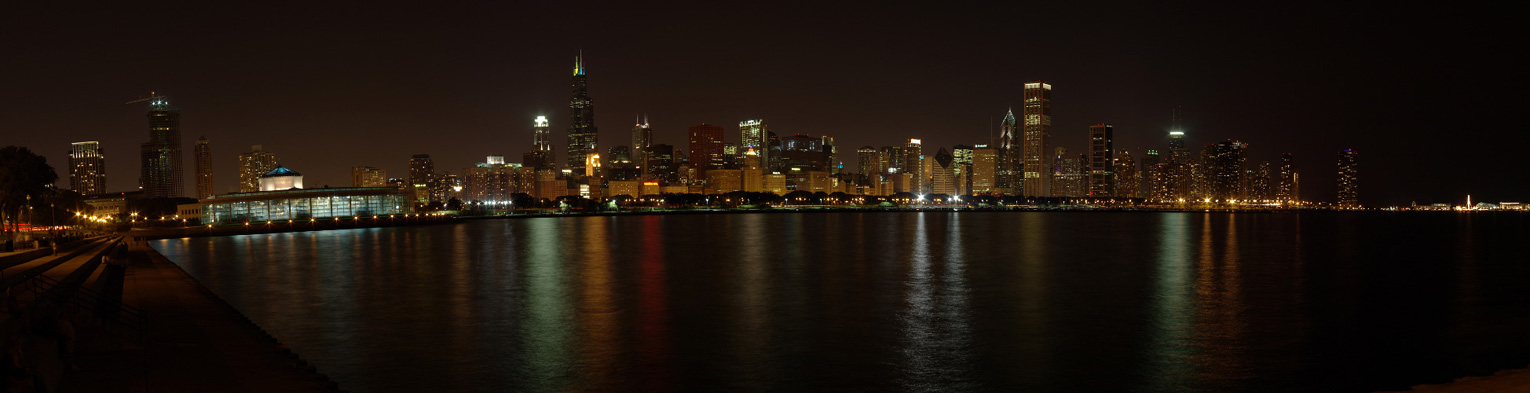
889 301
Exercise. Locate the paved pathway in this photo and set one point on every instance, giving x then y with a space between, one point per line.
193 343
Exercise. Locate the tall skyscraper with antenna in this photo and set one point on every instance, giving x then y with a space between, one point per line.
582 134
161 173
642 137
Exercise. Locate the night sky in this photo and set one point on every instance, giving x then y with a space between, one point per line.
1429 97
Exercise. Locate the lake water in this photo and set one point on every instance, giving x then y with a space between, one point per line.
977 301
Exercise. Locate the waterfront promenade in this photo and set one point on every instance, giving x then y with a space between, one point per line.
192 342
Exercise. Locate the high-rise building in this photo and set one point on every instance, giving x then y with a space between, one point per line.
830 154
203 152
1068 174
943 173
753 173
913 153
1224 164
365 176
1349 178
160 158
582 134
1008 174
1149 175
985 163
1285 189
642 136
1177 149
961 162
869 164
1037 137
1102 161
541 145
423 178
662 165
753 134
252 165
892 159
1127 180
1259 183
706 146
87 168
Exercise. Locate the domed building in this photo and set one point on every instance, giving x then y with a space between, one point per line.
281 178
282 197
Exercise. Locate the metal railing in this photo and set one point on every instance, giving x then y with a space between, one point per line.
109 312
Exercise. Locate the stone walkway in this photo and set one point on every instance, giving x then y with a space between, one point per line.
193 342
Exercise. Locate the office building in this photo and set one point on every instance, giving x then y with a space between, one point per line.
985 164
203 152
1008 176
1224 164
1102 171
160 171
1127 180
1285 189
1349 178
1037 134
252 165
706 145
365 176
87 168
754 134
582 134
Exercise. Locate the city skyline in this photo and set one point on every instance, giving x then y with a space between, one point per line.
941 107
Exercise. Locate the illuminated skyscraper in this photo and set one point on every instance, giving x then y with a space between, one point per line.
753 134
1102 171
541 145
87 168
870 166
1127 179
1224 163
943 173
662 165
1037 137
913 153
203 152
1007 171
421 168
582 134
892 159
961 162
1349 178
365 176
706 147
1149 175
160 157
642 136
1177 149
985 163
252 165
1285 189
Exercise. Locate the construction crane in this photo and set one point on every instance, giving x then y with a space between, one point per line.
152 96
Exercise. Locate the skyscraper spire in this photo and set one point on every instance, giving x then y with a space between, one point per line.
579 63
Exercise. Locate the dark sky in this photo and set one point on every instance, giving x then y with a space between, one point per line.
1430 97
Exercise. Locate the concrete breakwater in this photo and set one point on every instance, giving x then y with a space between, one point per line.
192 341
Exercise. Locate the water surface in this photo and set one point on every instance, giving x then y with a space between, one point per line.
985 301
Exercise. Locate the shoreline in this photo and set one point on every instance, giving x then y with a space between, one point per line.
299 226
193 341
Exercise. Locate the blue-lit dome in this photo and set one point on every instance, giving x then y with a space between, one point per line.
281 171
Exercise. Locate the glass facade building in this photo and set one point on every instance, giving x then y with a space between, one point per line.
304 204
